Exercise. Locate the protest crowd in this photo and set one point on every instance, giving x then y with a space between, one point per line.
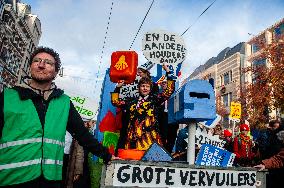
44 120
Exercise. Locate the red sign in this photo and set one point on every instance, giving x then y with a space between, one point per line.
123 66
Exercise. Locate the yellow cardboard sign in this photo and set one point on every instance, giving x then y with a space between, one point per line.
235 110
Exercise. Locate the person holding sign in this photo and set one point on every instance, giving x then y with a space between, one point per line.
142 128
227 136
34 117
242 146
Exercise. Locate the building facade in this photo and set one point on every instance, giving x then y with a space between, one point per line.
224 73
254 52
19 35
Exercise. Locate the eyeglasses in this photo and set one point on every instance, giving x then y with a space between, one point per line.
45 61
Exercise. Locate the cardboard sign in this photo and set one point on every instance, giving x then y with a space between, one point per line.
161 46
123 66
129 175
235 110
202 137
130 90
213 156
86 107
156 153
148 65
212 122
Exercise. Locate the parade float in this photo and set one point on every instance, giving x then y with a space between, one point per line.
192 104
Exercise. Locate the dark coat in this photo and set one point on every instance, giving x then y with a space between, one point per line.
276 161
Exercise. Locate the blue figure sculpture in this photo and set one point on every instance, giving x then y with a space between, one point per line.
194 101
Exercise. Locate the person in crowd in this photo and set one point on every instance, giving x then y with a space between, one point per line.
78 169
227 136
143 126
34 118
66 157
277 160
275 165
168 131
218 130
143 72
163 115
268 142
242 146
181 144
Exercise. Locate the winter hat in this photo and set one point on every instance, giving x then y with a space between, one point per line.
227 133
244 127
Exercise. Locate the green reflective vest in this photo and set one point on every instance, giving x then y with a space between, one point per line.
26 149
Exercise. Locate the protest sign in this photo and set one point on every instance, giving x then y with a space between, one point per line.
131 175
213 156
162 46
156 153
202 137
211 123
235 110
86 107
130 90
147 66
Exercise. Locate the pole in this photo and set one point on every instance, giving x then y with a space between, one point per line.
191 143
234 125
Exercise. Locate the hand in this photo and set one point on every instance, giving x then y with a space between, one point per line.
260 167
120 83
165 67
113 158
76 177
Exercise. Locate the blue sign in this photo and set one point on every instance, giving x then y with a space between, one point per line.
213 156
156 153
211 123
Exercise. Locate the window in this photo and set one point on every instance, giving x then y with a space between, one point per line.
226 78
211 81
221 80
279 30
231 76
254 48
226 100
259 62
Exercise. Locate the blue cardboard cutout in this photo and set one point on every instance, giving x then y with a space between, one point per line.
105 104
195 100
156 153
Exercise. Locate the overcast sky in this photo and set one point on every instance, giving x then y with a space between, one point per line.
76 29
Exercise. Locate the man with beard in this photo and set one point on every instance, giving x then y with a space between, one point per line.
33 120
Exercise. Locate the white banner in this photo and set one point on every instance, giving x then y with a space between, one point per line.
162 46
130 90
202 137
128 175
86 107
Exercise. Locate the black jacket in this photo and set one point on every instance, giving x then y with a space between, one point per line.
75 124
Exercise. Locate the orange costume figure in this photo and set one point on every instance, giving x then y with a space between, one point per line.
243 146
142 129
